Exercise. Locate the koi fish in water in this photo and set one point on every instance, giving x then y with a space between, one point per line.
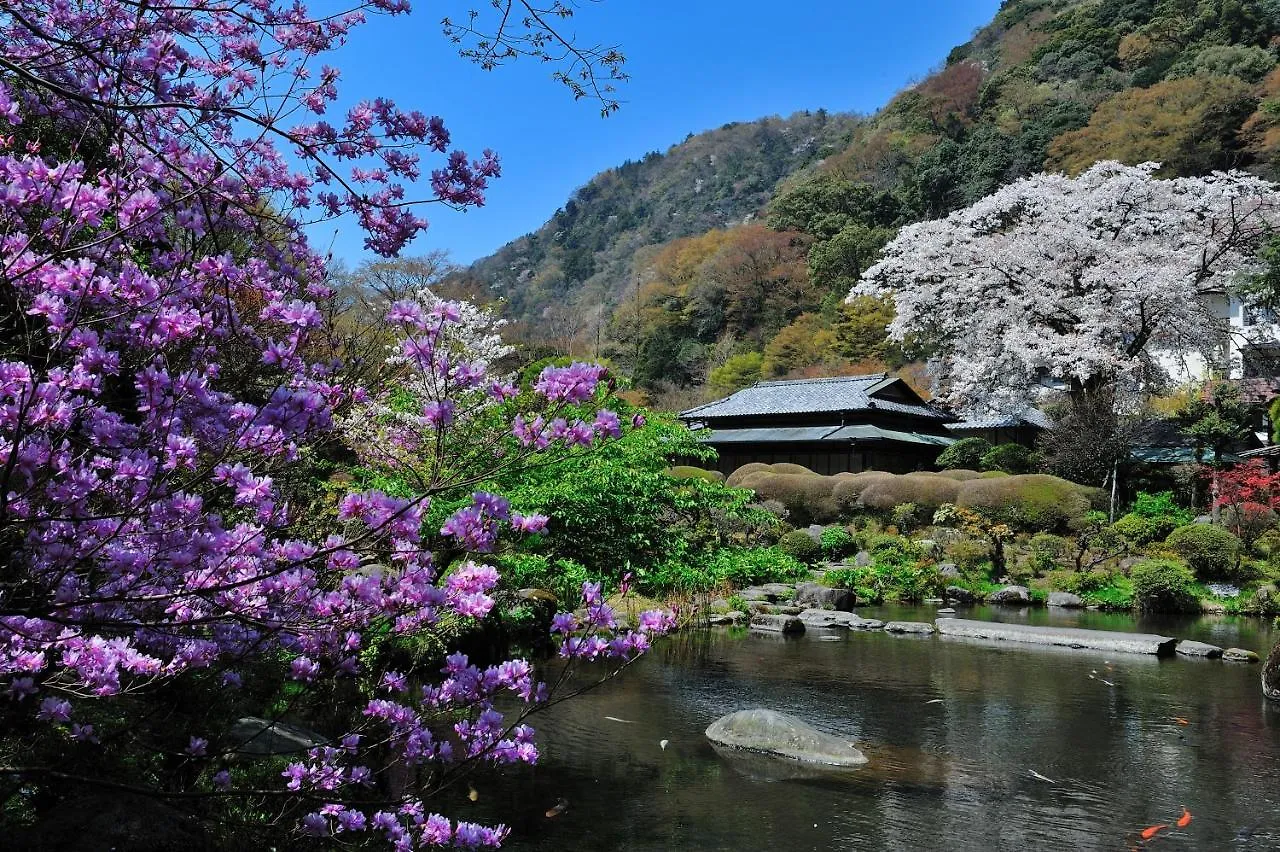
1185 819
558 808
1180 720
1148 833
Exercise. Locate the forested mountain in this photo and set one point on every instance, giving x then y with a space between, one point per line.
726 259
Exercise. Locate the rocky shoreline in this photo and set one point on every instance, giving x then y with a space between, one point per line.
793 609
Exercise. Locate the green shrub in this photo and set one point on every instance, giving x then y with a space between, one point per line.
908 517
1161 505
1031 502
737 566
1139 530
837 543
562 577
1010 458
966 453
801 546
684 471
1080 582
1116 594
969 555
1163 585
1211 551
1046 550
893 548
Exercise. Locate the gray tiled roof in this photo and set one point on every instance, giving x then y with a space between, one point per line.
815 434
807 396
1033 416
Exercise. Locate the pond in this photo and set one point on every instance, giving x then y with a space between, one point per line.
948 774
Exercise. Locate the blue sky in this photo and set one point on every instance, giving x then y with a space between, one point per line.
695 65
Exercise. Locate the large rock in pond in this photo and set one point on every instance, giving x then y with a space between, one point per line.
1271 674
1066 600
776 734
960 595
1188 648
1011 595
784 624
1062 637
916 628
1239 655
779 591
823 597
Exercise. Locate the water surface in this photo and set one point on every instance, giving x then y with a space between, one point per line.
947 775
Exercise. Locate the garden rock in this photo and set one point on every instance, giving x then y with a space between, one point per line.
826 618
776 623
1128 562
1065 600
1188 648
779 735
859 623
946 610
1015 595
959 594
1062 637
862 559
755 593
918 628
1271 674
777 591
731 618
815 532
824 597
948 569
1240 655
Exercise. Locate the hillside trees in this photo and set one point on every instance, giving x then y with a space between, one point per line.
1073 280
1190 125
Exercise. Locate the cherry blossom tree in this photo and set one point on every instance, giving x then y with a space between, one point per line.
1077 281
175 548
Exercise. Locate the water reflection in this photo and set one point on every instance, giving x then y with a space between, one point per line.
947 774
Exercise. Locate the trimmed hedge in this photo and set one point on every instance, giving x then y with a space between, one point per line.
1032 502
799 545
1211 551
808 497
1163 585
735 479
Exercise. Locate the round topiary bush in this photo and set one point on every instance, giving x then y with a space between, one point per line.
734 479
837 543
799 545
1212 552
1163 585
808 497
966 453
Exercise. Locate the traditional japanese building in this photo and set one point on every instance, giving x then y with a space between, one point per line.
1023 427
849 423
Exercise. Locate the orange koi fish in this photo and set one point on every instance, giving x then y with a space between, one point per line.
1148 833
1180 720
1185 819
560 807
